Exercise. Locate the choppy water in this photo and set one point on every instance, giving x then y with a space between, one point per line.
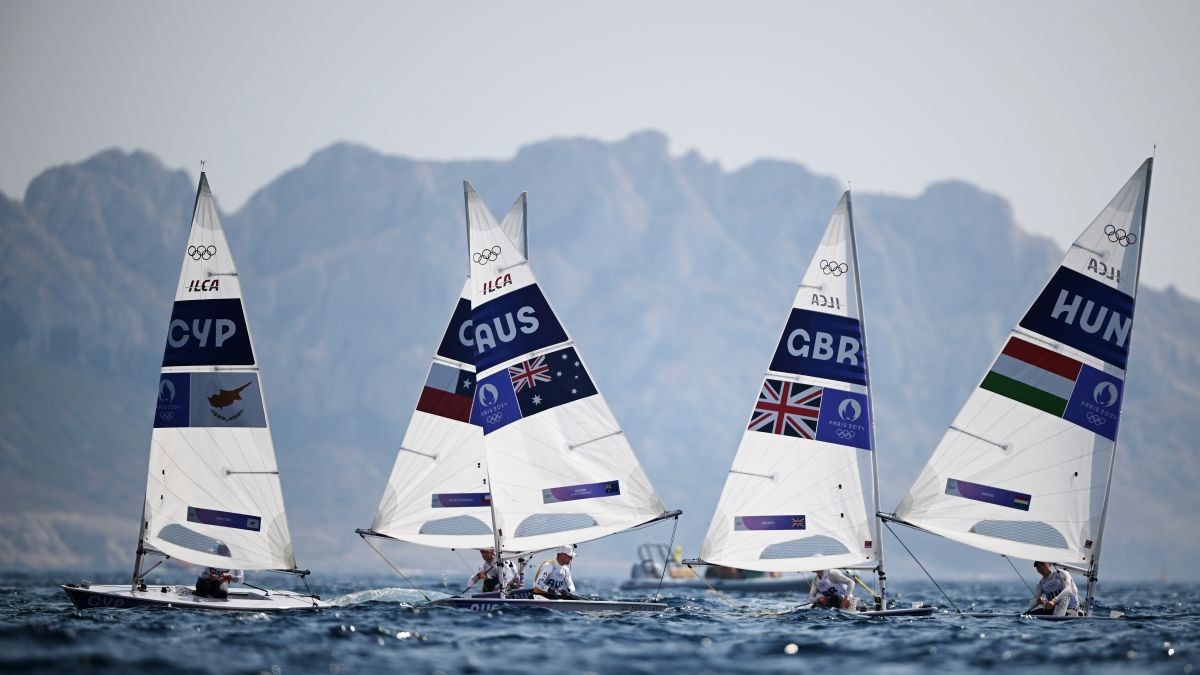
378 626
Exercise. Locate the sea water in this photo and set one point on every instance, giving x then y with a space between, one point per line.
379 625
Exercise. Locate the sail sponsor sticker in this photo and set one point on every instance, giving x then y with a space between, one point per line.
1057 384
447 392
227 399
813 413
459 500
793 522
238 521
568 493
1084 313
208 333
495 404
516 323
988 494
821 345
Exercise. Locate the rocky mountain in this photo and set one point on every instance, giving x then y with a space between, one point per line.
673 275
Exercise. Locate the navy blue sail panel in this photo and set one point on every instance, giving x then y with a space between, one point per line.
516 323
822 345
208 333
1083 313
458 343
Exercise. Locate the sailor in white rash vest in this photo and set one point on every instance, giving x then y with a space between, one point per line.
1055 592
831 588
553 578
491 577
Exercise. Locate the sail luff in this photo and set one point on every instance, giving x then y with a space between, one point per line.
880 575
1094 568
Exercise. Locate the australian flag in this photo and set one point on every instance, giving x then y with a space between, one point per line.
549 381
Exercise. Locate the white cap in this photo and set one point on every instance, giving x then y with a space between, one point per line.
567 550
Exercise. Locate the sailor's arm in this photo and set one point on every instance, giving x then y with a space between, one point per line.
540 578
812 590
839 578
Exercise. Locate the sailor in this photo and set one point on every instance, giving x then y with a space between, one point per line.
832 589
553 578
1055 593
490 574
214 582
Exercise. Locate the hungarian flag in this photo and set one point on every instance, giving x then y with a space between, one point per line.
1057 384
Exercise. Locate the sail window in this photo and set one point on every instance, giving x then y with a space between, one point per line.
549 523
807 547
188 538
456 526
1027 532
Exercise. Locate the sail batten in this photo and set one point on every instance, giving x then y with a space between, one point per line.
794 498
1025 467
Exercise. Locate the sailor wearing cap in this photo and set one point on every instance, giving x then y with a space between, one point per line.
554 577
490 573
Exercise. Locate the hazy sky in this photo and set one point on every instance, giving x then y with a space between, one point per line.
1051 104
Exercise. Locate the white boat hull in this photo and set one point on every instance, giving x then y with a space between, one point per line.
121 596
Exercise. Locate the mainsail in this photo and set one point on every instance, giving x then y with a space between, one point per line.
213 478
560 468
1025 468
437 494
794 497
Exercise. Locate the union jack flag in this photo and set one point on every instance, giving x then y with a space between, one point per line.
787 408
529 373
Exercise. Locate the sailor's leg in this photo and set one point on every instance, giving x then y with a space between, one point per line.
1061 608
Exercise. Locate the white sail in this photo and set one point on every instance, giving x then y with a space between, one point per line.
437 494
794 498
1025 467
560 468
213 478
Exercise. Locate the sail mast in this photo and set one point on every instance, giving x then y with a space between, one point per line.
1094 568
880 576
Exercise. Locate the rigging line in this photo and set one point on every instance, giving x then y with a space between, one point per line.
397 569
719 594
935 583
671 545
312 598
464 561
1022 577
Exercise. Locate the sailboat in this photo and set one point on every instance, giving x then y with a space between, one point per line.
795 496
1026 467
532 457
213 495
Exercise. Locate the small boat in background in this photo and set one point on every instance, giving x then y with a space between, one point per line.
647 571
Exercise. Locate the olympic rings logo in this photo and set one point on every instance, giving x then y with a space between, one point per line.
201 252
837 269
1097 420
843 434
1119 236
492 419
487 255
